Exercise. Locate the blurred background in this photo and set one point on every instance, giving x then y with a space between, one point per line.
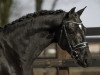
11 10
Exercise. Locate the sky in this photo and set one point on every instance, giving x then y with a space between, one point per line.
90 17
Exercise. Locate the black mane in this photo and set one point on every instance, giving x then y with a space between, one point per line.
36 14
29 17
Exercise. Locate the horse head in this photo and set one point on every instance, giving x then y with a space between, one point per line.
72 37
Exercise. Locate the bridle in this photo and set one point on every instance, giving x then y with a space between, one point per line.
72 48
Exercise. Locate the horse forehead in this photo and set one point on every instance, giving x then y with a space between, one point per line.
76 18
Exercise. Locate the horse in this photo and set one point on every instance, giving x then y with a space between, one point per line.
22 40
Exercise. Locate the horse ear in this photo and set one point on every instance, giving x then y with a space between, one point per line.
81 11
72 10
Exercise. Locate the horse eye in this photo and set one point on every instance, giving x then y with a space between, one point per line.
80 26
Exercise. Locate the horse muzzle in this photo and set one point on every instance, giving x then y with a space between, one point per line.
80 54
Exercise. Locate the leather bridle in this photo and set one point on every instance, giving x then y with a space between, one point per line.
75 47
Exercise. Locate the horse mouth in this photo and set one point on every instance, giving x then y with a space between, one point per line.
82 60
80 54
83 63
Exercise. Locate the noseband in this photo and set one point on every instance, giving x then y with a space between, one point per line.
72 48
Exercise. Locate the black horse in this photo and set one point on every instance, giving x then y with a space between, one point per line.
23 40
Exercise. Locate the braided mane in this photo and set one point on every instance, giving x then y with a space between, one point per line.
30 17
36 14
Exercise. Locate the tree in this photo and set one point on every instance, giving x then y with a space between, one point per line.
4 11
38 4
54 4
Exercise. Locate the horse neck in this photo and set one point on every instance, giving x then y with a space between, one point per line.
44 29
45 26
29 39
